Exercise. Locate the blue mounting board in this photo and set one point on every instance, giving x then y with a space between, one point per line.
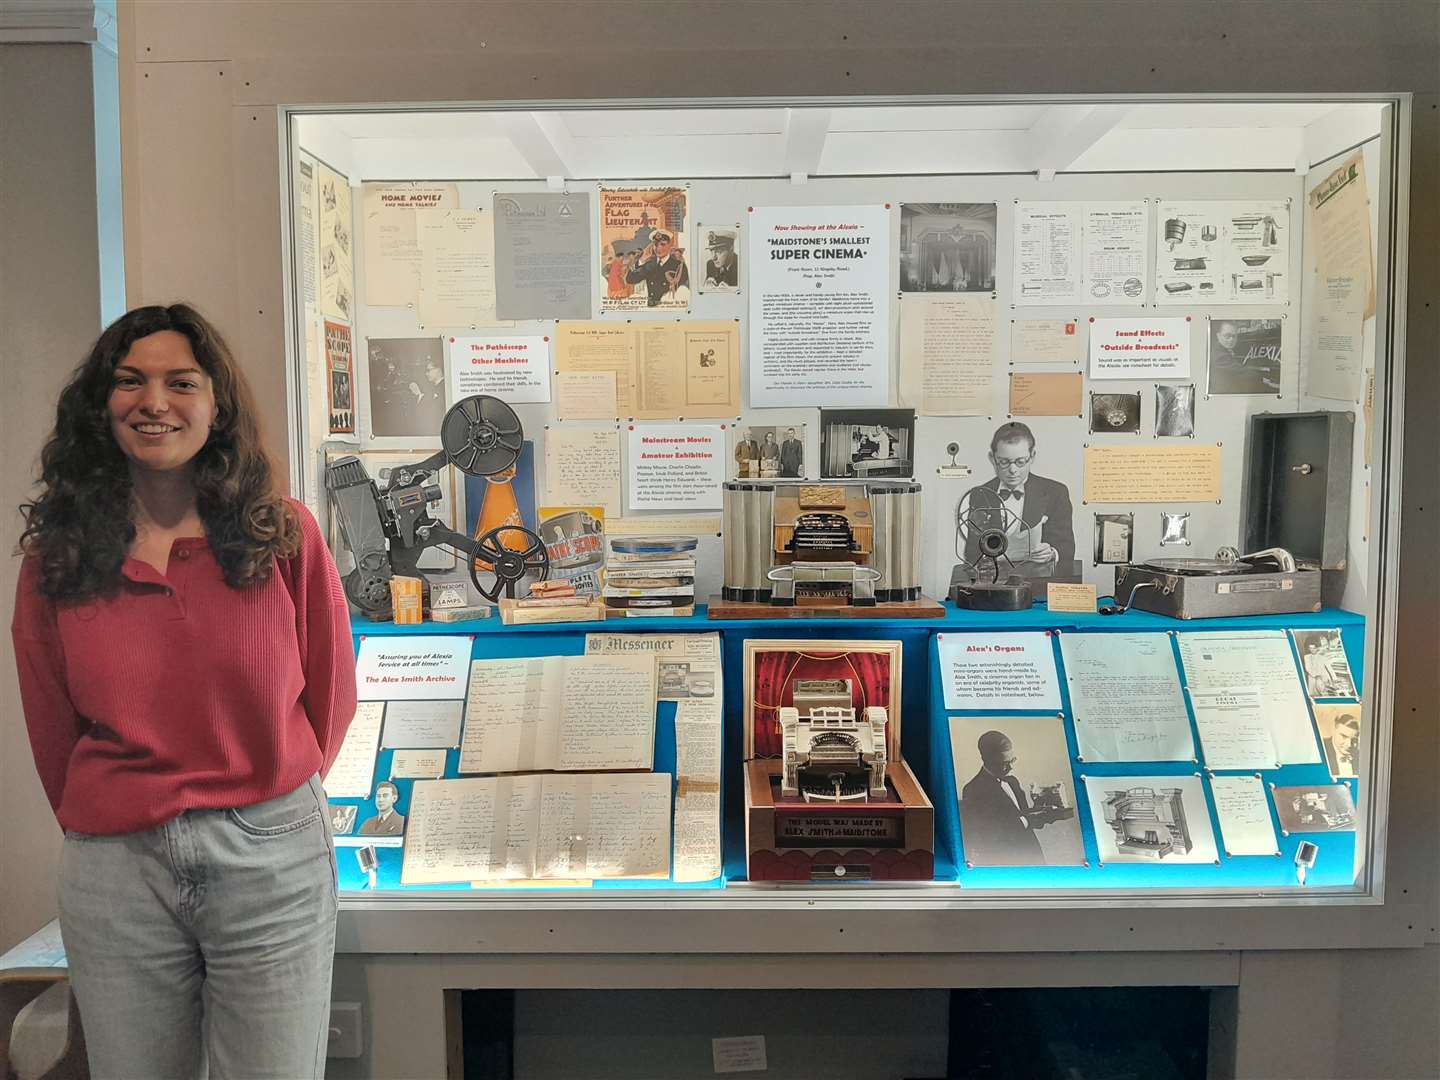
925 740
493 646
1335 861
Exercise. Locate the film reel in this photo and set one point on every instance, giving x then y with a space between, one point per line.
481 435
508 565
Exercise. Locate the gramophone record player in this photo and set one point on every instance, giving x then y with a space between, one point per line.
1261 583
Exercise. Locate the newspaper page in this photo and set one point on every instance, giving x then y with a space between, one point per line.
690 676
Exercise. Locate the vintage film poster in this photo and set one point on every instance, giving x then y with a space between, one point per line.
337 250
644 264
392 249
947 247
1070 252
341 378
1223 252
720 246
542 255
819 284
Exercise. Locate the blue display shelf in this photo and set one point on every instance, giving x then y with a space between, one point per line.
924 742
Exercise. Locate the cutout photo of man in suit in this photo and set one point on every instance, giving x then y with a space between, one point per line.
1042 532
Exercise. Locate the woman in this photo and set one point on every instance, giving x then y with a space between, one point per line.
770 456
186 673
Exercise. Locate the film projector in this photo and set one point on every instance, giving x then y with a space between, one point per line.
387 530
984 526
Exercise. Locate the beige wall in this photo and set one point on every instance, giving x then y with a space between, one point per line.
200 83
49 317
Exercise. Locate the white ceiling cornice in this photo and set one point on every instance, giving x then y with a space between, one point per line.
52 21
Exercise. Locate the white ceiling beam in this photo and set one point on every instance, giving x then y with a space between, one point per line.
1338 130
1064 132
805 134
542 140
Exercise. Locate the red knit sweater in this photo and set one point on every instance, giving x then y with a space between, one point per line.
178 692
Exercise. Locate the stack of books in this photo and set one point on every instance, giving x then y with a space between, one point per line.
650 576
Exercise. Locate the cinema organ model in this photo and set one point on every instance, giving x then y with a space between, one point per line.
829 753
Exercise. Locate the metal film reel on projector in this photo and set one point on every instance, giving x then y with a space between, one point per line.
482 436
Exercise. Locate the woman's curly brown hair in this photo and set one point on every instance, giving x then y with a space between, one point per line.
80 525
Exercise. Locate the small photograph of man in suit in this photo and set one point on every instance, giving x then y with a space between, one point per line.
1018 807
1039 523
387 820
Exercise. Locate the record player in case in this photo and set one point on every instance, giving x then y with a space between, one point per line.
1294 517
1263 583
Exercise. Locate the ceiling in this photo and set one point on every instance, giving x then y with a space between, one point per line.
699 141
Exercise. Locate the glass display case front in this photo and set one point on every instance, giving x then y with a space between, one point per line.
925 524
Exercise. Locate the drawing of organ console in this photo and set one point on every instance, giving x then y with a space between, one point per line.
1147 822
830 754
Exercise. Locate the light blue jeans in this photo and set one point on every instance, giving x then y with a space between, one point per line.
205 946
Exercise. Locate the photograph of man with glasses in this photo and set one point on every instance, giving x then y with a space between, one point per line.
1042 532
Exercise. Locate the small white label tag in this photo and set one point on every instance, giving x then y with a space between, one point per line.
742 1053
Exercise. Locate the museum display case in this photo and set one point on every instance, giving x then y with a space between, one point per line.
629 504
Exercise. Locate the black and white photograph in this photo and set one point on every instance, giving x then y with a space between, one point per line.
1150 819
407 387
947 247
861 444
1322 658
1314 808
387 821
1339 727
342 820
1017 799
1245 356
1174 529
1033 511
1175 410
1114 538
721 247
768 451
1115 414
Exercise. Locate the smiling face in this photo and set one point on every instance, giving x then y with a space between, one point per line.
161 404
1226 335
